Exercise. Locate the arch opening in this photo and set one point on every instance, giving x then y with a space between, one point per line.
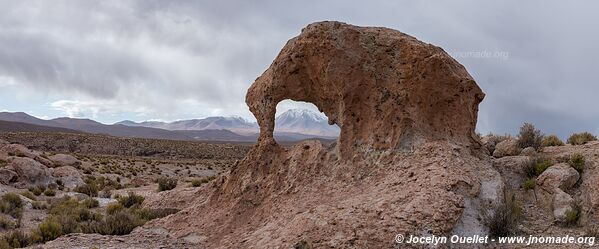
299 120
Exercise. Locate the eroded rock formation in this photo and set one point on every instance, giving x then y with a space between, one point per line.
404 162
385 89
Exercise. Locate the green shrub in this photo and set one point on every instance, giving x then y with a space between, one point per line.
50 192
36 191
552 140
130 200
6 223
536 165
166 183
581 138
113 208
29 195
48 230
577 162
90 189
18 239
529 136
91 203
12 205
505 218
529 184
572 216
196 182
119 223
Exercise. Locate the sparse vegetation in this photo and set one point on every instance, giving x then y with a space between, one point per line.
572 216
12 205
199 182
529 136
91 203
581 138
577 162
6 223
29 195
503 221
552 140
529 184
50 192
90 189
536 165
130 200
113 208
17 239
165 183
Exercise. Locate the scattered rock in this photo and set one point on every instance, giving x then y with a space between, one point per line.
19 151
508 147
528 151
7 176
70 176
560 176
65 160
29 171
562 204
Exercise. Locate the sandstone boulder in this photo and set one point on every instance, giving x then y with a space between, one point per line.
7 176
19 151
70 176
508 147
30 172
558 176
562 204
511 168
528 151
65 160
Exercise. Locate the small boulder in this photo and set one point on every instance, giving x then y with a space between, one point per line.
69 176
30 172
562 204
511 168
7 176
508 147
559 176
528 151
65 160
18 151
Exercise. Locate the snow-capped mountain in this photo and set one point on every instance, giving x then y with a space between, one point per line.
298 121
305 122
233 123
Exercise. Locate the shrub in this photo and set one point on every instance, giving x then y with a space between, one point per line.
552 140
50 192
120 223
505 217
89 189
18 239
12 205
39 205
91 203
6 223
529 184
536 165
3 163
131 200
36 191
113 208
529 136
581 138
48 230
196 182
29 195
166 183
572 216
577 162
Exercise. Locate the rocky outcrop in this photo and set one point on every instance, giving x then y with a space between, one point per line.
64 160
29 172
69 176
559 176
407 159
508 147
562 204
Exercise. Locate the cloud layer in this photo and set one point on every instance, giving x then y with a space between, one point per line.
167 60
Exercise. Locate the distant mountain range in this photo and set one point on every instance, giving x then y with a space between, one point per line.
292 125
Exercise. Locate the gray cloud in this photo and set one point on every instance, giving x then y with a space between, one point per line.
173 59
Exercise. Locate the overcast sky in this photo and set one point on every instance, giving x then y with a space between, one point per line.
537 61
